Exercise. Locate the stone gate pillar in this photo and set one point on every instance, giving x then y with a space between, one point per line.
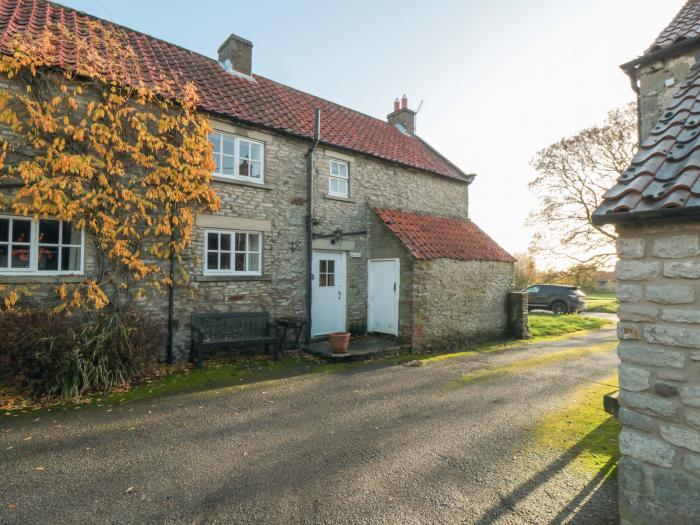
659 332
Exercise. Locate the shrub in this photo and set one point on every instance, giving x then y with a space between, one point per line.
45 353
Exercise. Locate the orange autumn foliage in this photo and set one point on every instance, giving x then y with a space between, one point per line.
129 163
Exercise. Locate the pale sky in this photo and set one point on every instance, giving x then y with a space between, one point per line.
499 79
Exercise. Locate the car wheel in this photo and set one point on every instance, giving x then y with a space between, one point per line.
559 308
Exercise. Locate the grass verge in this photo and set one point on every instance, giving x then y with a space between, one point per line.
601 302
548 325
583 431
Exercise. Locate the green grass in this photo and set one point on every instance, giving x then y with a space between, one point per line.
583 430
552 325
602 302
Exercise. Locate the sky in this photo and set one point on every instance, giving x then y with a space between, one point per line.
498 79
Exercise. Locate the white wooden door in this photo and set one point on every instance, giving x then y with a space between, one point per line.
328 293
383 296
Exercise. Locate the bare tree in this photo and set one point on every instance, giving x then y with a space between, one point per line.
572 176
525 270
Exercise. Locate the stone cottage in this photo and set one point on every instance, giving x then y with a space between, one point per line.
655 207
314 196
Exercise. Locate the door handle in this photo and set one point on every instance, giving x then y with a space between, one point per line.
339 293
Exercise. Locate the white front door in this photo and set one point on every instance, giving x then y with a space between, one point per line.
383 296
328 293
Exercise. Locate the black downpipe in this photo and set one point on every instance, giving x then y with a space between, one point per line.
171 297
309 217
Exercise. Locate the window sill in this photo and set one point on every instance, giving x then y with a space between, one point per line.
247 184
341 199
41 279
227 278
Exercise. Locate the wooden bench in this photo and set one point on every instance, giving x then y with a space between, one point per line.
231 329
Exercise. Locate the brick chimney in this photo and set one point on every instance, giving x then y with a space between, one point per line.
402 117
239 54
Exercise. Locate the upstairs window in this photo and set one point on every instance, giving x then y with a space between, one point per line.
39 247
233 253
338 181
237 158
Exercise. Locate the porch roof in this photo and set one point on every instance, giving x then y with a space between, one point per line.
429 237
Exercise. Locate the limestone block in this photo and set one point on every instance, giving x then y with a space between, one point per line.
670 294
692 463
634 378
690 395
651 355
629 418
682 269
676 247
673 335
637 270
674 315
629 331
630 248
681 436
646 448
644 401
692 416
629 293
635 312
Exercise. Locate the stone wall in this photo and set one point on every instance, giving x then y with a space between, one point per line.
659 331
280 204
458 302
518 320
658 82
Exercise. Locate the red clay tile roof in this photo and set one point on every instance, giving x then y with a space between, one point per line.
429 237
665 172
260 101
685 25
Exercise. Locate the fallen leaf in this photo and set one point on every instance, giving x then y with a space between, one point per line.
130 490
27 438
39 468
11 506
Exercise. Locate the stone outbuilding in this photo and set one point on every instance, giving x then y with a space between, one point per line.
655 207
453 279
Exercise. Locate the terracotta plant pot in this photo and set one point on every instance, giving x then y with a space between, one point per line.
339 341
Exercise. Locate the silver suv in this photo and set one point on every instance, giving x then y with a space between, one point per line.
558 298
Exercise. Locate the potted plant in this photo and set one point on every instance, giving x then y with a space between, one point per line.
339 342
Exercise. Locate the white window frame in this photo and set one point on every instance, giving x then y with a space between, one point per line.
332 177
236 157
232 270
33 268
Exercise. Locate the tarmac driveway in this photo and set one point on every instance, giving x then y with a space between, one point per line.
391 444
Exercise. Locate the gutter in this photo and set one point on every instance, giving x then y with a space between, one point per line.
637 217
309 217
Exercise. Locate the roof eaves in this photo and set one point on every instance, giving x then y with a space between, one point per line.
677 48
637 217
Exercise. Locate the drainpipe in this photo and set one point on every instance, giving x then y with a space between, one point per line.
631 72
309 217
171 296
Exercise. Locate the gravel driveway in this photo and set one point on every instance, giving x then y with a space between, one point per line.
390 444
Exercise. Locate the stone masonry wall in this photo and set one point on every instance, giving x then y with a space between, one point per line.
455 302
657 84
659 331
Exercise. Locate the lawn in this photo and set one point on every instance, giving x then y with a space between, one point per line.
542 325
603 302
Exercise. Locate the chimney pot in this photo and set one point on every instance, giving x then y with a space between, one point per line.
404 102
239 52
396 104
